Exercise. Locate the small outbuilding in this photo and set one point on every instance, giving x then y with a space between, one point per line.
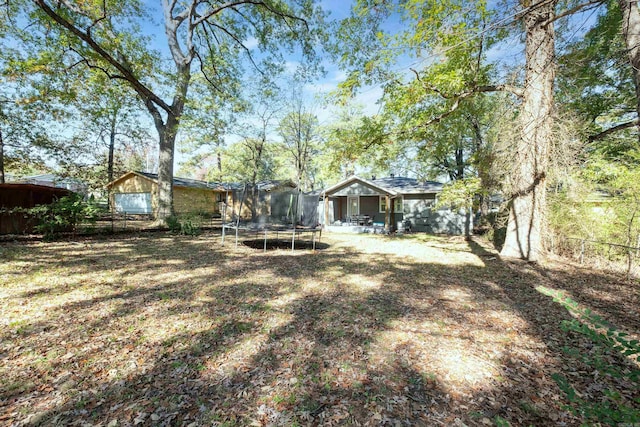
136 193
15 199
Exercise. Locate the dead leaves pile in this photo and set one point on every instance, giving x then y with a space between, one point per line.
163 330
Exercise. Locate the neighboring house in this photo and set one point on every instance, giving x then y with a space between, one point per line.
51 180
137 192
392 203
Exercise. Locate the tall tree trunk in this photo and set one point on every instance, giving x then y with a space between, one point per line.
525 229
167 133
164 207
480 165
1 158
459 163
631 35
219 164
112 148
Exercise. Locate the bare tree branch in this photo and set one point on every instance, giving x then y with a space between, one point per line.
145 93
515 90
584 6
614 129
240 43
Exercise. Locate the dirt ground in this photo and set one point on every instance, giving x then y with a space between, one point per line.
156 329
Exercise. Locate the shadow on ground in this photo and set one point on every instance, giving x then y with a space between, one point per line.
164 330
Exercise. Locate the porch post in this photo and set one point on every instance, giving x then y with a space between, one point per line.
326 211
387 214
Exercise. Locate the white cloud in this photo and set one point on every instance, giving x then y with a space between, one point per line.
251 43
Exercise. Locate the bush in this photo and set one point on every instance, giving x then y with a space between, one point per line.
187 226
64 215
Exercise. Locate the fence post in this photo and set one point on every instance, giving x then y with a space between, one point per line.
582 251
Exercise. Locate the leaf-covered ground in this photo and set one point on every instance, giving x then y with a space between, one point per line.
155 329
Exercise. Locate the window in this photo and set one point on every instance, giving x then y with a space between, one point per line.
397 204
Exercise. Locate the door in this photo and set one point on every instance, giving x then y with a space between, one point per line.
133 203
353 205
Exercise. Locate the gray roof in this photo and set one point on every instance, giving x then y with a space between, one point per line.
402 185
187 182
393 186
267 185
270 184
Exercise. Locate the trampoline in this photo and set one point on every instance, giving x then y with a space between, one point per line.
266 229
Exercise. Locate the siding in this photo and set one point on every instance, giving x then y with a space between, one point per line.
422 214
185 199
195 200
355 189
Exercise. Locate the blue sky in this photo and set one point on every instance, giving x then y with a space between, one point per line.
507 53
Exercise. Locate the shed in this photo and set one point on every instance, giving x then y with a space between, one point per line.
136 193
24 196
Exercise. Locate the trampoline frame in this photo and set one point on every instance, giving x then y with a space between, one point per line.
277 228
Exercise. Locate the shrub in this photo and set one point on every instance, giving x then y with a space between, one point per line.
64 214
187 226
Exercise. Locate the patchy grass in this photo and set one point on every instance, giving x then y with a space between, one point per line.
372 330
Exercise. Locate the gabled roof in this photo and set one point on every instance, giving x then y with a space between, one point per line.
402 185
356 179
177 182
394 186
268 185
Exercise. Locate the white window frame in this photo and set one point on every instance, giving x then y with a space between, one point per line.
398 201
382 201
349 198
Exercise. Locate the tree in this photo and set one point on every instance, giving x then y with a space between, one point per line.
99 34
631 35
256 141
24 142
595 81
206 126
457 35
299 132
112 120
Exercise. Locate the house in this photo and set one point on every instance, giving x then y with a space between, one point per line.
52 180
390 203
136 193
